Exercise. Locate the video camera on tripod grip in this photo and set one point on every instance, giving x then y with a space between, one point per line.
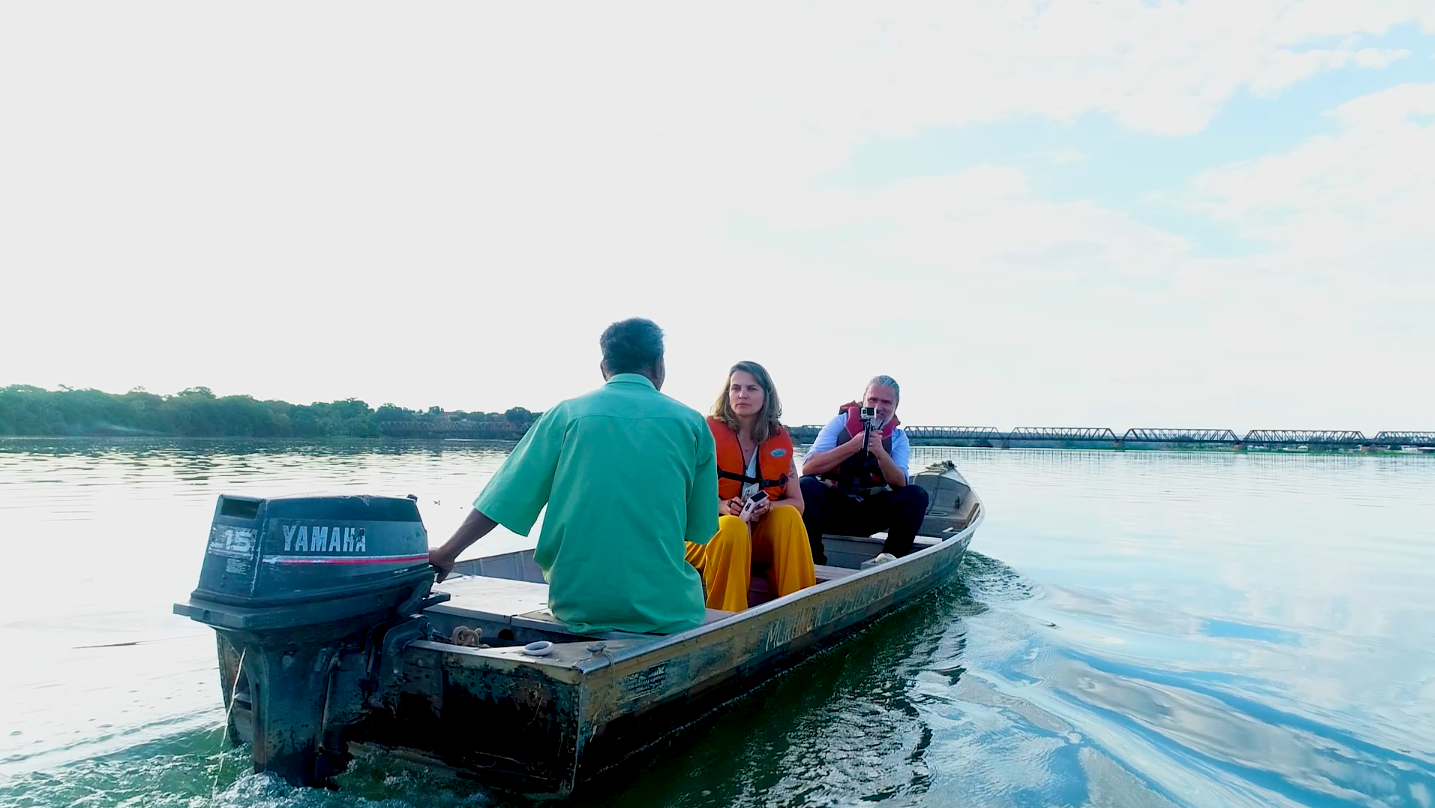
869 417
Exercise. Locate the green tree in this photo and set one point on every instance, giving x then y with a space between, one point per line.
198 412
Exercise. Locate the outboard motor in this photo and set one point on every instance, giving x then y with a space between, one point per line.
304 592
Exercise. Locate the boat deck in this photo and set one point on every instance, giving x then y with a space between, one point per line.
506 598
524 604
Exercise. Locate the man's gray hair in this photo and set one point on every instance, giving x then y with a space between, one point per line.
632 345
885 381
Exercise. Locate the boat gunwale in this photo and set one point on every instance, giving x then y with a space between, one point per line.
626 652
610 707
755 612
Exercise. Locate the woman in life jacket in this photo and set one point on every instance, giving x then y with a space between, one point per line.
754 452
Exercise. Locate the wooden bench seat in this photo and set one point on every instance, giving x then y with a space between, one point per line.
828 573
544 618
851 551
759 591
881 538
496 600
518 604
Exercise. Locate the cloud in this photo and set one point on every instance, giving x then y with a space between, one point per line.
1284 68
424 198
1108 310
1360 194
1063 157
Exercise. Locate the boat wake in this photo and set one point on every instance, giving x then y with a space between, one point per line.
1069 697
990 691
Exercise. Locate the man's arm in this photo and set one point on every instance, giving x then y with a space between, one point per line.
702 516
825 454
516 494
475 527
902 454
893 473
894 465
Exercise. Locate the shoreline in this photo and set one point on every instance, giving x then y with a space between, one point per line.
1068 446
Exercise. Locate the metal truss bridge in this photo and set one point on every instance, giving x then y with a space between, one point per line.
1413 439
1147 435
1304 437
1022 436
1101 437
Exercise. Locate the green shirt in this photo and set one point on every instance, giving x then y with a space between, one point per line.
627 474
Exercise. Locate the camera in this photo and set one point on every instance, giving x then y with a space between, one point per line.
751 504
869 415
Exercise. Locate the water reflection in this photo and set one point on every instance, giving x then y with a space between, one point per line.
842 727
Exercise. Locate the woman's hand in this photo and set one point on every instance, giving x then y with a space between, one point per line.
730 507
762 508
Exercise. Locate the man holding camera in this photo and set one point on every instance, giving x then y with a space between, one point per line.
855 479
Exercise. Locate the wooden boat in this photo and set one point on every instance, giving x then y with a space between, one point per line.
482 680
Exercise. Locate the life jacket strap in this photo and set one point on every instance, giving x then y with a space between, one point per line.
743 478
849 485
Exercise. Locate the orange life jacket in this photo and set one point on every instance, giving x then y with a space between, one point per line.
859 473
774 458
854 423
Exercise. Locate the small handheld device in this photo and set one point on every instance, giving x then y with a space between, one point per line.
751 504
869 423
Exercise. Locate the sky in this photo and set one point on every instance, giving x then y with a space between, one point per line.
1214 213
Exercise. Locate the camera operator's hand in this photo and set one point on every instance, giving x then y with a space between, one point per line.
874 444
730 507
853 447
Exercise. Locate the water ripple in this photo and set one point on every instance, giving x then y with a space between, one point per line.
1133 629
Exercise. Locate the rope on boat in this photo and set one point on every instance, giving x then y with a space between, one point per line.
234 691
466 637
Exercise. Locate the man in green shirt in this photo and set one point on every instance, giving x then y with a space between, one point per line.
628 474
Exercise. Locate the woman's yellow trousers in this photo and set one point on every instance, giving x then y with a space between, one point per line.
778 540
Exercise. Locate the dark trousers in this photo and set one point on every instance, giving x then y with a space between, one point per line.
899 512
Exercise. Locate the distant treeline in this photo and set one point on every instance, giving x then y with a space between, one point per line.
199 413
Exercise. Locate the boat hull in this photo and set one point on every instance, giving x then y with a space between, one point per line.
547 724
547 730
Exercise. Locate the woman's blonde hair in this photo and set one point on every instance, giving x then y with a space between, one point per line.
767 423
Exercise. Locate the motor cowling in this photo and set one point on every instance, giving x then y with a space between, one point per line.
295 586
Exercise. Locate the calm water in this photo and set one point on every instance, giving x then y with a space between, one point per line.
1142 629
